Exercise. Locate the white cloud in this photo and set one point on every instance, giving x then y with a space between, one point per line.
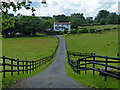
67 7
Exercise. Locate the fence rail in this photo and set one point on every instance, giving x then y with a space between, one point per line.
81 64
77 66
24 66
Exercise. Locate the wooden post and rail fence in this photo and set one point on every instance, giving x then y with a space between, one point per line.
82 63
16 65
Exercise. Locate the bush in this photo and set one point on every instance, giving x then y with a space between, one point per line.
96 23
107 29
114 28
73 31
92 30
54 32
65 31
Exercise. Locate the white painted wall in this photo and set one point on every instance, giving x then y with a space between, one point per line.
66 26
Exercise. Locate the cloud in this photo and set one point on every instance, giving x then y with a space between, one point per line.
67 7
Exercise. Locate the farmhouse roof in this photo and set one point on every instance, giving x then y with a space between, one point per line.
62 23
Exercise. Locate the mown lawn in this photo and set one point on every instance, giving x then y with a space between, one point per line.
105 44
33 48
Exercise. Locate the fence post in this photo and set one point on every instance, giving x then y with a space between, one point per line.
78 66
18 65
30 66
73 54
3 66
94 64
85 66
106 69
23 67
26 66
11 67
80 55
33 65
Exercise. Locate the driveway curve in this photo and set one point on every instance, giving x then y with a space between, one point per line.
53 77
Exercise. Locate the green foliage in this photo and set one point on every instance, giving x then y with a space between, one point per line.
92 30
47 23
102 15
29 25
65 31
112 18
61 18
7 23
73 31
54 32
102 21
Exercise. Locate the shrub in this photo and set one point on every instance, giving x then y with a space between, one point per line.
107 29
73 31
92 30
96 23
114 28
65 31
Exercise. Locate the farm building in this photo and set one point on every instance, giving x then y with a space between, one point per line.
61 26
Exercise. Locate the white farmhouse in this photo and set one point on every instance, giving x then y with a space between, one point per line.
61 26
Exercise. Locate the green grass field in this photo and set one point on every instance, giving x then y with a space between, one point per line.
101 27
33 48
105 44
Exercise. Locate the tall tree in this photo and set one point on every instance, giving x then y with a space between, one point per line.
102 14
113 18
5 6
61 18
29 25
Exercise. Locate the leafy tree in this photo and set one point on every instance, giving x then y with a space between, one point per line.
102 14
89 19
75 22
112 18
61 18
29 25
5 6
102 21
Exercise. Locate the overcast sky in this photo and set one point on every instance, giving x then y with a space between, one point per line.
67 7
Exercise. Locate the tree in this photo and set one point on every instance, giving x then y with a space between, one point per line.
5 6
102 14
112 18
102 21
29 25
89 19
75 22
61 18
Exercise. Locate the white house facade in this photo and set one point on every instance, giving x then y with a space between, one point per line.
61 26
